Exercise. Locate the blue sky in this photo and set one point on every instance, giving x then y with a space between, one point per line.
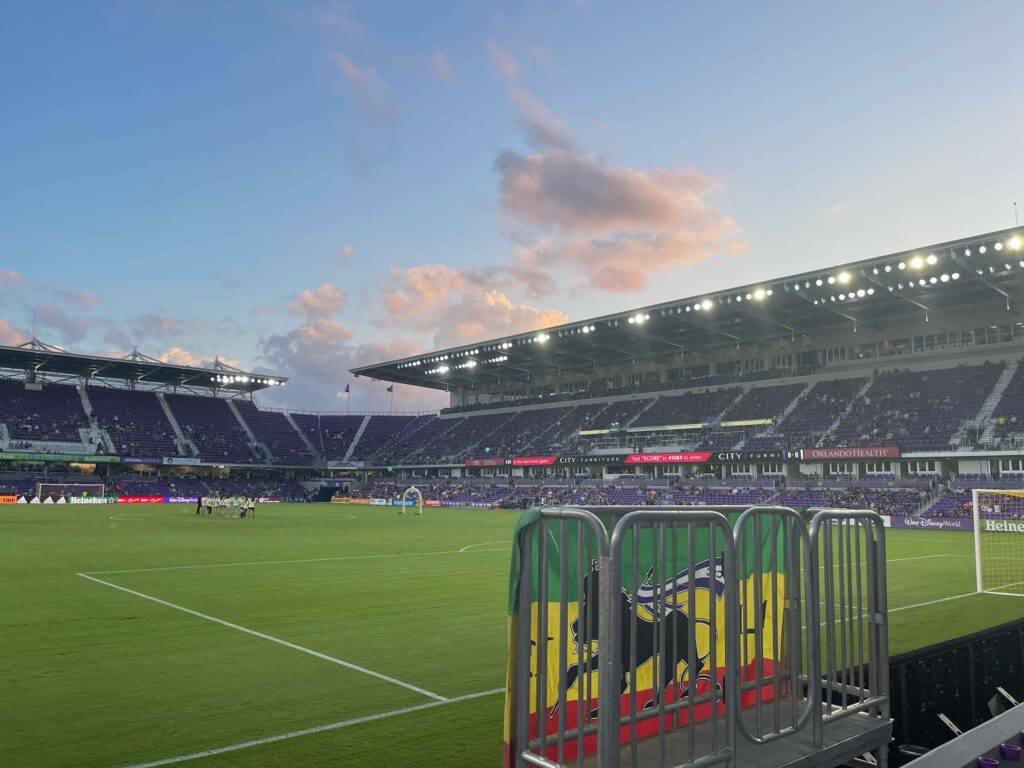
301 187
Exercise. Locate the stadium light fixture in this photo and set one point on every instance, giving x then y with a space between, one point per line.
967 251
888 267
871 291
944 278
874 271
843 277
706 304
933 279
982 249
917 262
831 280
542 338
955 275
768 292
818 282
932 258
999 246
1015 243
861 293
759 294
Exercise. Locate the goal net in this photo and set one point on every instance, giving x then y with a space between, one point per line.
412 494
999 540
56 490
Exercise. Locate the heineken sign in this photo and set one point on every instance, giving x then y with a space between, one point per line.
1004 526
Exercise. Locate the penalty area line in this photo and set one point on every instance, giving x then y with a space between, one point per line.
311 731
263 636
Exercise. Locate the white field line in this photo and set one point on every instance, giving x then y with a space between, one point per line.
483 544
271 638
286 562
310 731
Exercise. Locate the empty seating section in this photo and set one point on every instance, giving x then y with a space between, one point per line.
330 435
691 408
1009 412
916 410
53 413
273 430
381 431
812 416
211 425
135 421
515 435
564 433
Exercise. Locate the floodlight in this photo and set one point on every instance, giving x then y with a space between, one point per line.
944 278
982 249
831 280
1014 243
932 258
861 293
917 262
706 304
999 246
888 267
967 251
844 277
902 265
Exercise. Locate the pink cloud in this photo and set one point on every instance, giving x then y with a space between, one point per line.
80 298
346 252
484 315
71 329
441 69
11 336
322 301
371 92
543 128
9 277
340 23
180 356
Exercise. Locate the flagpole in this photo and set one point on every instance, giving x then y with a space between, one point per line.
369 408
348 399
392 390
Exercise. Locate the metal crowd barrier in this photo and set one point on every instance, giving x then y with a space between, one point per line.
707 627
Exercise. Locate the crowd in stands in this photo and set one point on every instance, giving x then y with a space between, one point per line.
26 484
914 410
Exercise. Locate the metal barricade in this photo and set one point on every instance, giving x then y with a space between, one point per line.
687 549
849 583
685 629
774 609
583 579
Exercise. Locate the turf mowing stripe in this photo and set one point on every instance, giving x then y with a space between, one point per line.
311 731
285 562
271 638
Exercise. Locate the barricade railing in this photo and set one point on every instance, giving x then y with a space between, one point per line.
661 643
670 637
851 613
774 698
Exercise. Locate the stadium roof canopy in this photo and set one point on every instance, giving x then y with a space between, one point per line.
871 293
34 359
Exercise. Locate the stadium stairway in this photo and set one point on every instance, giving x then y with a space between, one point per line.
782 416
849 407
356 437
94 434
305 439
984 419
253 440
185 446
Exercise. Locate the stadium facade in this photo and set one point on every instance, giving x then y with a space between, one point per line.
897 368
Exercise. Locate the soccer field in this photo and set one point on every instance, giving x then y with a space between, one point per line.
313 635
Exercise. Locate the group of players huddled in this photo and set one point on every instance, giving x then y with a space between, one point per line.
230 506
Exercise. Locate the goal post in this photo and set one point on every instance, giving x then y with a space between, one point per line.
412 490
69 489
999 540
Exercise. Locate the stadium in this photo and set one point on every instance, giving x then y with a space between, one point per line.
327 623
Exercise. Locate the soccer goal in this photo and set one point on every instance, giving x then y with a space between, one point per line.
412 490
999 540
56 490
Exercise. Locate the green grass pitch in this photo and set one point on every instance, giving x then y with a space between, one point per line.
93 675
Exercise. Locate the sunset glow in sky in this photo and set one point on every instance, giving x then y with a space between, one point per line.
304 187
